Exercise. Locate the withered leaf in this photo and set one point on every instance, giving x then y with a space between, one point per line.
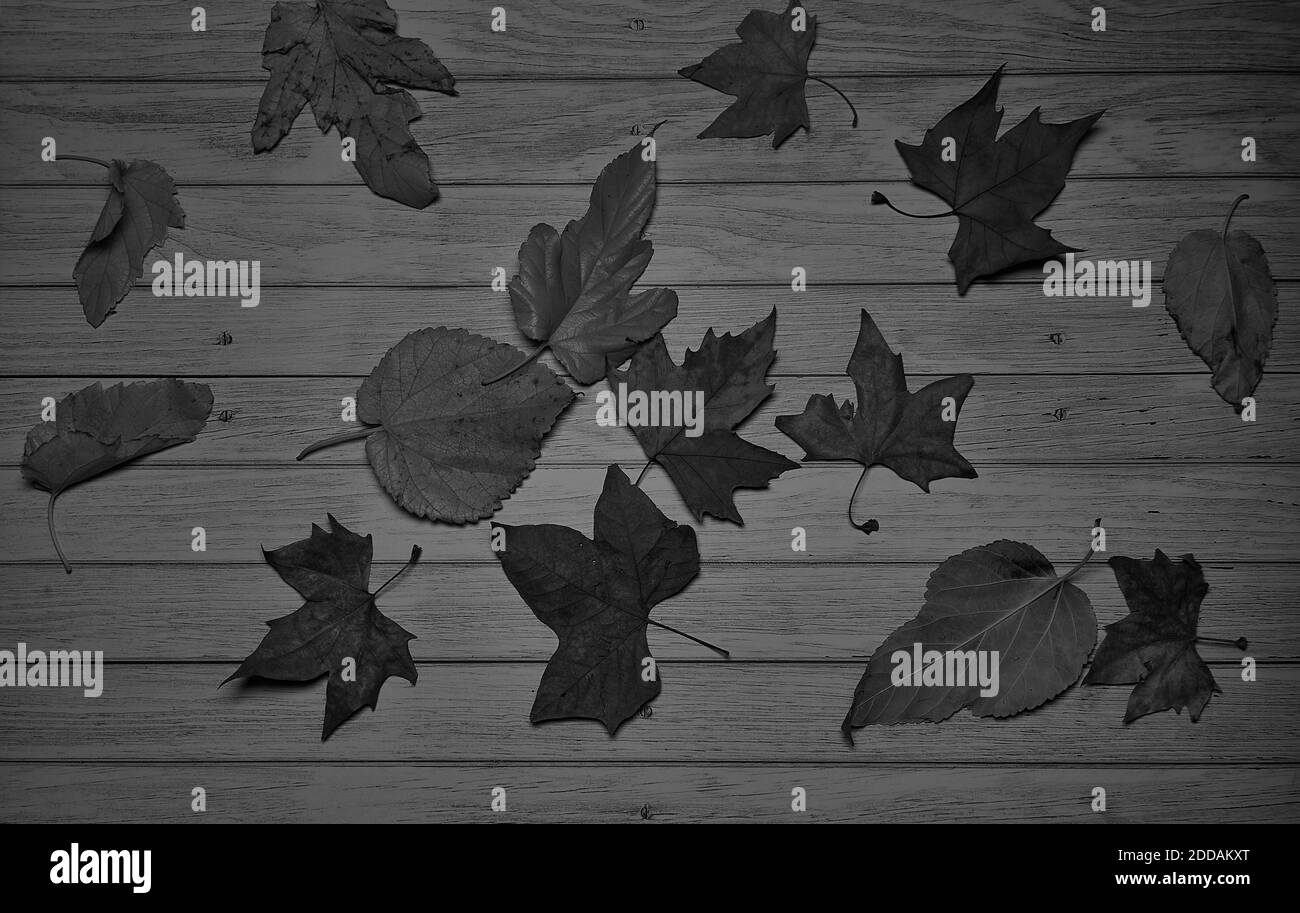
141 206
596 595
97 429
339 630
995 186
731 374
442 443
346 58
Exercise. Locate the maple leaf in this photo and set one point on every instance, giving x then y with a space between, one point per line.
442 444
596 595
731 373
1154 646
97 429
1221 294
141 206
766 71
346 58
339 630
906 432
573 290
1003 597
996 186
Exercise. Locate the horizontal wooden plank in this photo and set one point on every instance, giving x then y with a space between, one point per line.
706 233
708 713
996 329
1222 513
1157 126
142 613
1005 420
405 793
152 38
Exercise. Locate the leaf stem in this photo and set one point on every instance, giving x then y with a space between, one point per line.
355 434
862 478
537 353
1235 204
702 643
416 552
644 470
82 158
840 94
54 537
1078 567
1239 643
878 197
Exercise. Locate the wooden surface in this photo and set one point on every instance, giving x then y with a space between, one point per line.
1081 408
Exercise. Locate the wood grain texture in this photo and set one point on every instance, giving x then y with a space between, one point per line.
709 712
998 328
703 233
424 794
1233 513
1095 419
1159 127
150 39
215 612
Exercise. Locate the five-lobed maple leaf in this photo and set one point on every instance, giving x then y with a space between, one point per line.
766 71
141 206
1221 294
596 595
911 433
731 372
573 290
338 631
444 444
1004 597
1154 646
996 186
346 58
97 429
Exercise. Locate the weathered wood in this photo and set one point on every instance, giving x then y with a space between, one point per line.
709 712
151 39
215 612
1224 513
705 233
998 328
418 794
1097 419
1156 127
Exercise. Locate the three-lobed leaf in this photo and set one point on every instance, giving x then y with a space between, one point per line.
1004 597
346 58
1221 294
596 595
97 429
141 206
573 289
338 631
731 373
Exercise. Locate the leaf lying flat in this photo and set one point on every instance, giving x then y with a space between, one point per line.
141 206
1221 294
97 429
731 372
444 445
1154 646
573 290
890 426
338 631
1003 596
345 58
996 186
596 595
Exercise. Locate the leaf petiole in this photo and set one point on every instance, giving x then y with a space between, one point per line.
82 158
49 520
1239 643
860 526
537 353
1235 204
877 197
353 435
416 552
840 94
702 643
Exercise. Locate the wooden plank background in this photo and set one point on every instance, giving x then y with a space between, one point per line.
1081 408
